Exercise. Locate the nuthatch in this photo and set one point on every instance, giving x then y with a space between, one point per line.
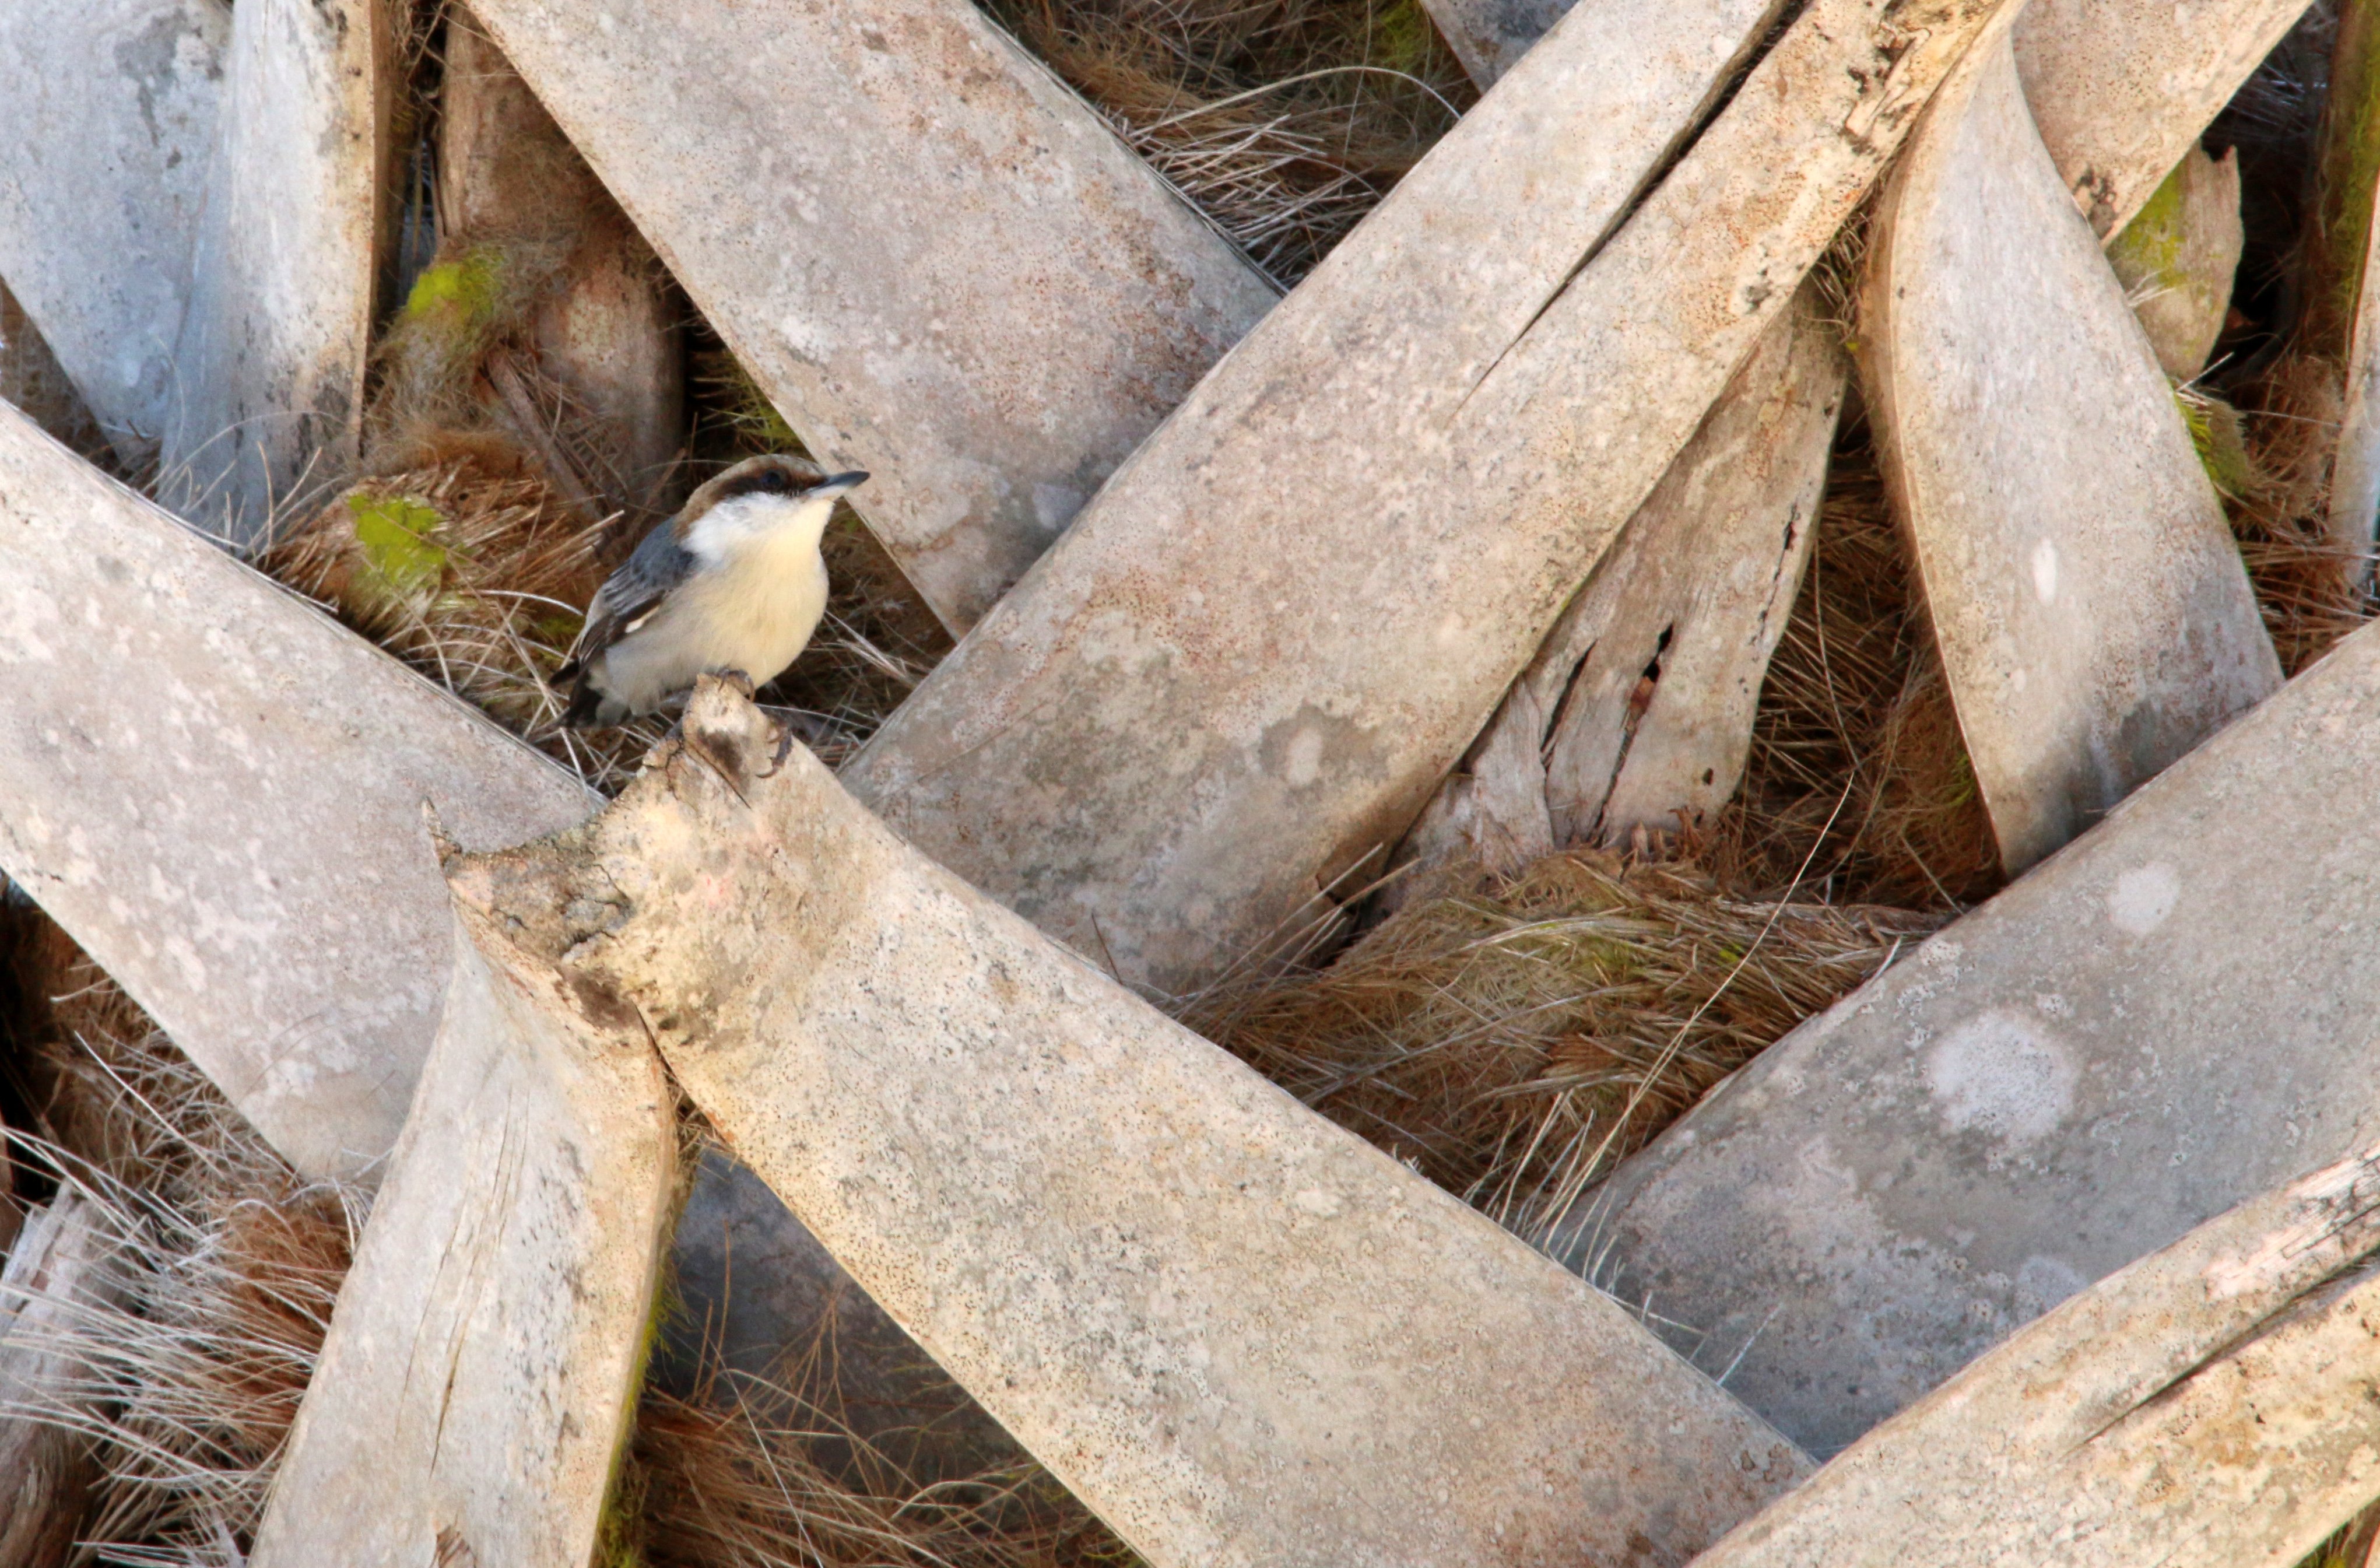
734 581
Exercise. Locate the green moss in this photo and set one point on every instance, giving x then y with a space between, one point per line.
2346 1548
2222 445
2150 246
399 537
1961 788
1404 39
559 629
466 290
618 1533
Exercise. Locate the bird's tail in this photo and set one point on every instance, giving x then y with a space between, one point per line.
585 705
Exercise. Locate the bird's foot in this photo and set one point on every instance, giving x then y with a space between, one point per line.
784 748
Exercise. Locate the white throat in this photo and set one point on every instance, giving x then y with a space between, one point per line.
776 522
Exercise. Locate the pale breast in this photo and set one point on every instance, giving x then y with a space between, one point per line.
759 612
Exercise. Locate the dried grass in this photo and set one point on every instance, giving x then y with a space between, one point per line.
231 1263
738 1476
477 535
2277 465
1513 1041
1284 121
474 569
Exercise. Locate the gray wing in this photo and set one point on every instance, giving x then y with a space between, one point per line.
633 592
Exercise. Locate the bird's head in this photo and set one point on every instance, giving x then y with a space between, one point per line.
760 499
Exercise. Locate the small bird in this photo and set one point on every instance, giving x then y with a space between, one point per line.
734 581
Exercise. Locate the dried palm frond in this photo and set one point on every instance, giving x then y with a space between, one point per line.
232 1264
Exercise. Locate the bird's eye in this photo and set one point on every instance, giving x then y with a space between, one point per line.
775 481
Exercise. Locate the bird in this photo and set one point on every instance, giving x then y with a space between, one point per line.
734 582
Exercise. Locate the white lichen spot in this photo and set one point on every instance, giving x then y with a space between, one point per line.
806 337
2001 1074
1317 1202
2044 571
1114 636
1302 764
25 609
2142 898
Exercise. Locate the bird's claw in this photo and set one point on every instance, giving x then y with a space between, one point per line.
784 748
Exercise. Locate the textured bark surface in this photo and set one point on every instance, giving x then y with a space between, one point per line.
62 1265
2178 256
1639 705
1240 1334
108 109
2085 590
2208 1407
2122 87
219 793
269 365
506 174
1241 674
939 263
477 1386
2062 1082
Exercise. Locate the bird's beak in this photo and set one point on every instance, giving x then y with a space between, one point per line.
840 484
